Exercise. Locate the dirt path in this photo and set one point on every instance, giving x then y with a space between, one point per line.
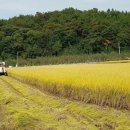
26 108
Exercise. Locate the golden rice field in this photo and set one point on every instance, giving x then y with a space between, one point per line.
101 84
118 61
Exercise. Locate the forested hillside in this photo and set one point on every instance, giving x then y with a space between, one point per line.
69 31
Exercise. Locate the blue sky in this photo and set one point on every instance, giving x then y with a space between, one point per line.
10 8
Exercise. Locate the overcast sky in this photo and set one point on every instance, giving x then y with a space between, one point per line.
10 8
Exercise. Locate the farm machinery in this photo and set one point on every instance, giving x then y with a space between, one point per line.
2 69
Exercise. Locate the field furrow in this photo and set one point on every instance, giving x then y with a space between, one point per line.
24 107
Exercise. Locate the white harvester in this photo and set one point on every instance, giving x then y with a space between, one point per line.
2 69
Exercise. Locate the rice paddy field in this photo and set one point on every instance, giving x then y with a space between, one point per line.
117 61
66 97
101 84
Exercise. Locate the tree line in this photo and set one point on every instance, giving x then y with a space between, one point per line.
67 32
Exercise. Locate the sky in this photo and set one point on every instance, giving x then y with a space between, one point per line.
11 8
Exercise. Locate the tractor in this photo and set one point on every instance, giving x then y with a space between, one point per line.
2 69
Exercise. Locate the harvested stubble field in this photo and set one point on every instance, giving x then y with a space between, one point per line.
24 107
63 97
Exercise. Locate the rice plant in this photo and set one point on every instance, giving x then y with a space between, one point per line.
101 84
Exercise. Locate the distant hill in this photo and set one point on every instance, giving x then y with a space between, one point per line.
69 31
